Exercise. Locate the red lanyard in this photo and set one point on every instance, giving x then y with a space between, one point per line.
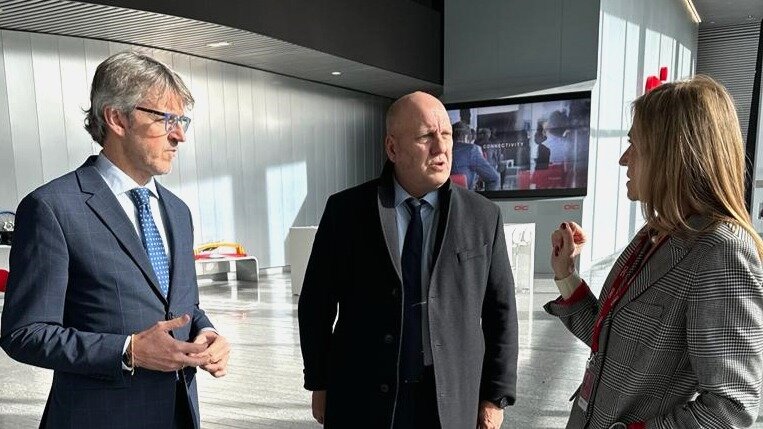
620 287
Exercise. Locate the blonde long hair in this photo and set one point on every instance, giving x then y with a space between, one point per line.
693 157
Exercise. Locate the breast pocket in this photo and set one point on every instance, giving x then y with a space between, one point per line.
476 252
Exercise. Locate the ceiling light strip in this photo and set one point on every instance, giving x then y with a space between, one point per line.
693 11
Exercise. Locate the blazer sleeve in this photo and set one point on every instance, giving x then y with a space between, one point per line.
578 314
318 301
499 325
724 324
32 329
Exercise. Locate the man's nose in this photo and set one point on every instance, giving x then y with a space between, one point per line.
441 143
177 134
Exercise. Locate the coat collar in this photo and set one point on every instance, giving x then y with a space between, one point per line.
388 216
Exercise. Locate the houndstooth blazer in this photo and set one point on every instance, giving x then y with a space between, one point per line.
684 347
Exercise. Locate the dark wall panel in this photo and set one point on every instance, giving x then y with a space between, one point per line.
396 35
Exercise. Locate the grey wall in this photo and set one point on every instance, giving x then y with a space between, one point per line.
728 54
263 153
636 39
497 48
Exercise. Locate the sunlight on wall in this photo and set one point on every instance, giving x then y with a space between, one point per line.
216 207
286 190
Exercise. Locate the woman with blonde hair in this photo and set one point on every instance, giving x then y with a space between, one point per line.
676 335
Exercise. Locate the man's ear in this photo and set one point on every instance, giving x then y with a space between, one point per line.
116 121
389 147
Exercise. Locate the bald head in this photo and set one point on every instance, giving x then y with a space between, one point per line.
419 142
409 106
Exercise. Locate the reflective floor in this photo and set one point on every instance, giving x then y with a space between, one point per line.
264 386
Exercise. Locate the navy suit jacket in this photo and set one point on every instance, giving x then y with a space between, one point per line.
80 283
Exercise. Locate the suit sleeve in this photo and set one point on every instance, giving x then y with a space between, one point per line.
724 333
499 325
318 302
199 318
32 329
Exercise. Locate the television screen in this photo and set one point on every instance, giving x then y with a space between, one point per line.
522 147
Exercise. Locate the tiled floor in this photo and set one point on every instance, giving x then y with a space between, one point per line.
263 387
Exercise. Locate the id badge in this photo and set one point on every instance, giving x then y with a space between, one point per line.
585 390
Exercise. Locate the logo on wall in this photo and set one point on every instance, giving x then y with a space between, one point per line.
653 82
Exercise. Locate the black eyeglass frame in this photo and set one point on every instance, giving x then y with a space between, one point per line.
170 119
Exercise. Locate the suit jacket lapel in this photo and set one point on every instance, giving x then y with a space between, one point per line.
661 263
107 208
174 222
388 216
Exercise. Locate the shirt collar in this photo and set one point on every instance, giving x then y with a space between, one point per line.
401 195
117 180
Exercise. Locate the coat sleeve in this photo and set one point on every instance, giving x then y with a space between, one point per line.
724 333
499 325
32 329
318 301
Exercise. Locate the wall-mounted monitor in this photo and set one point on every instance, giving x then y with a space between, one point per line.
528 147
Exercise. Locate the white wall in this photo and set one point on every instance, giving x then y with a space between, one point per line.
636 39
263 152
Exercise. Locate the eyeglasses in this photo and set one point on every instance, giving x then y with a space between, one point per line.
170 120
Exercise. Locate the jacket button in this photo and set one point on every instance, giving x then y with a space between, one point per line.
384 388
395 292
388 338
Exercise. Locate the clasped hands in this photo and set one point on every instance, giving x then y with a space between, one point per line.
157 350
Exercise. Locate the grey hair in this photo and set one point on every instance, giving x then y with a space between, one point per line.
125 79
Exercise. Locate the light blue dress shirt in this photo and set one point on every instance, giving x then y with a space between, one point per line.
430 212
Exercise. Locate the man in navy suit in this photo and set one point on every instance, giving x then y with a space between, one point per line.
102 286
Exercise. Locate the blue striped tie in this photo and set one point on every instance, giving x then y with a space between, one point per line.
152 241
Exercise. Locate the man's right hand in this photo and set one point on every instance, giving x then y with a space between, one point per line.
319 405
155 348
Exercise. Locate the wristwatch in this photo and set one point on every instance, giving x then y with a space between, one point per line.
502 402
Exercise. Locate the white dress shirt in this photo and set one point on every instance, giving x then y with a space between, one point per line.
121 184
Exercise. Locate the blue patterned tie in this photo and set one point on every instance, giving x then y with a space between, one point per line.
152 241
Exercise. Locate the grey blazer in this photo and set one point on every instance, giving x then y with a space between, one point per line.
684 347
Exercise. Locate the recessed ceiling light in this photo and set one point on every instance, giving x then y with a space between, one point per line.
336 73
218 44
